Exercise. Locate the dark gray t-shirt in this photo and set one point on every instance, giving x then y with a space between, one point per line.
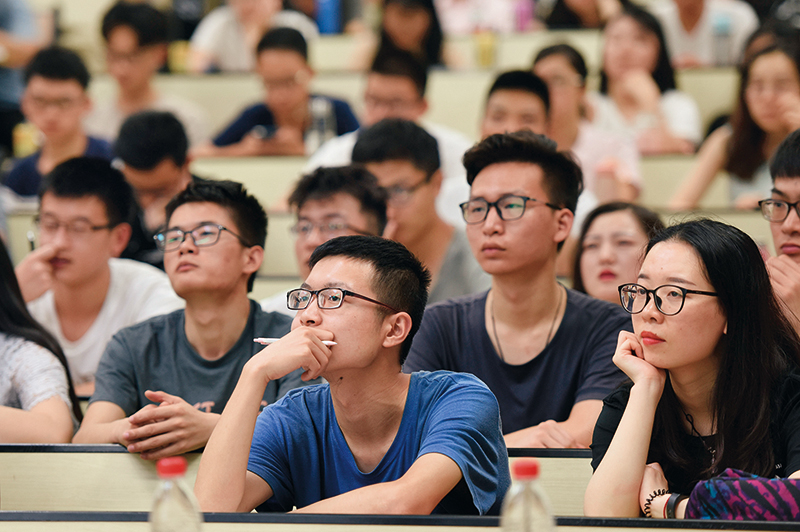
576 366
156 355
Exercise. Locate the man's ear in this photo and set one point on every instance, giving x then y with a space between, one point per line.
564 220
120 235
254 256
397 328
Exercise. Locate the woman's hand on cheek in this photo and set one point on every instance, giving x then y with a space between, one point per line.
629 357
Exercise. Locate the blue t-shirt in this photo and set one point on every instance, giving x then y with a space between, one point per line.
25 179
341 121
17 19
574 367
300 451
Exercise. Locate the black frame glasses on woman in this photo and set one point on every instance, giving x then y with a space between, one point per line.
666 295
327 298
778 210
203 235
509 207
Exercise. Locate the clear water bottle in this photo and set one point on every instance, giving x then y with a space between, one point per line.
321 129
525 507
174 509
723 41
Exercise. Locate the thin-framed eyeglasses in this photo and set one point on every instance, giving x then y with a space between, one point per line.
327 298
328 230
400 195
77 228
778 210
203 235
509 207
669 298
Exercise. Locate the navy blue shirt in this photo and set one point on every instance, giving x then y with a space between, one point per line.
24 178
342 120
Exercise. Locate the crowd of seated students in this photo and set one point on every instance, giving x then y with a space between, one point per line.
429 331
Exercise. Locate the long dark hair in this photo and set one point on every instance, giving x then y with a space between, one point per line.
759 347
15 320
746 147
663 74
648 220
434 38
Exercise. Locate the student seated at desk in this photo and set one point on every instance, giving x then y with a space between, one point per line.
37 400
714 377
373 440
162 384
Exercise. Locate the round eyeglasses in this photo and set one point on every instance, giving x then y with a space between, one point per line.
669 298
203 236
508 207
327 298
778 210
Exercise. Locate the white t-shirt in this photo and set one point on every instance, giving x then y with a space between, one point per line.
736 16
137 291
106 118
593 146
452 145
678 108
220 35
29 374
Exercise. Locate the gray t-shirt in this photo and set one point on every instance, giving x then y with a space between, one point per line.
156 355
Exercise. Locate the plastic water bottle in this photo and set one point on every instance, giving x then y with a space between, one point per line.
329 16
321 129
525 508
174 509
721 27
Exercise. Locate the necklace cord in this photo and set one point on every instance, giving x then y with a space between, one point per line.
549 334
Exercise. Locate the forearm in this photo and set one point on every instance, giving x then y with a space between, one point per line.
19 52
107 432
378 499
21 426
710 160
613 490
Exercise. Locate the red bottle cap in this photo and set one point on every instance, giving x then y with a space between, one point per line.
174 466
525 469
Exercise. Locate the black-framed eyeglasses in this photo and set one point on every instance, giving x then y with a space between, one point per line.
327 298
668 297
304 228
778 210
509 207
400 195
203 235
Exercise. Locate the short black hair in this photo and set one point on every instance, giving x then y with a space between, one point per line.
149 24
569 53
786 161
401 64
563 179
245 210
394 139
400 280
354 181
283 39
522 80
57 62
148 137
91 176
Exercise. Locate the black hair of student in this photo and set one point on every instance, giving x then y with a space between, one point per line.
522 80
395 139
573 57
432 41
786 161
398 63
283 39
91 176
16 320
759 347
244 209
563 179
399 279
663 74
58 63
149 24
148 137
355 181
745 149
649 221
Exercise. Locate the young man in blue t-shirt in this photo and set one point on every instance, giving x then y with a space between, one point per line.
373 440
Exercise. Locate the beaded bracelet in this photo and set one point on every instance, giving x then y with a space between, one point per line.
657 493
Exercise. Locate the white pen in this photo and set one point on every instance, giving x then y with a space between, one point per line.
267 341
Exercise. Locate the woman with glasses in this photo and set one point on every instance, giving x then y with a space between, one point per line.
714 382
37 400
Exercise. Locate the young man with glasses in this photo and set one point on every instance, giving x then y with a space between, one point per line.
162 384
331 202
56 102
73 283
781 210
545 351
405 159
372 440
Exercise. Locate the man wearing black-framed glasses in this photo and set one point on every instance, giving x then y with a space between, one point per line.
162 385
